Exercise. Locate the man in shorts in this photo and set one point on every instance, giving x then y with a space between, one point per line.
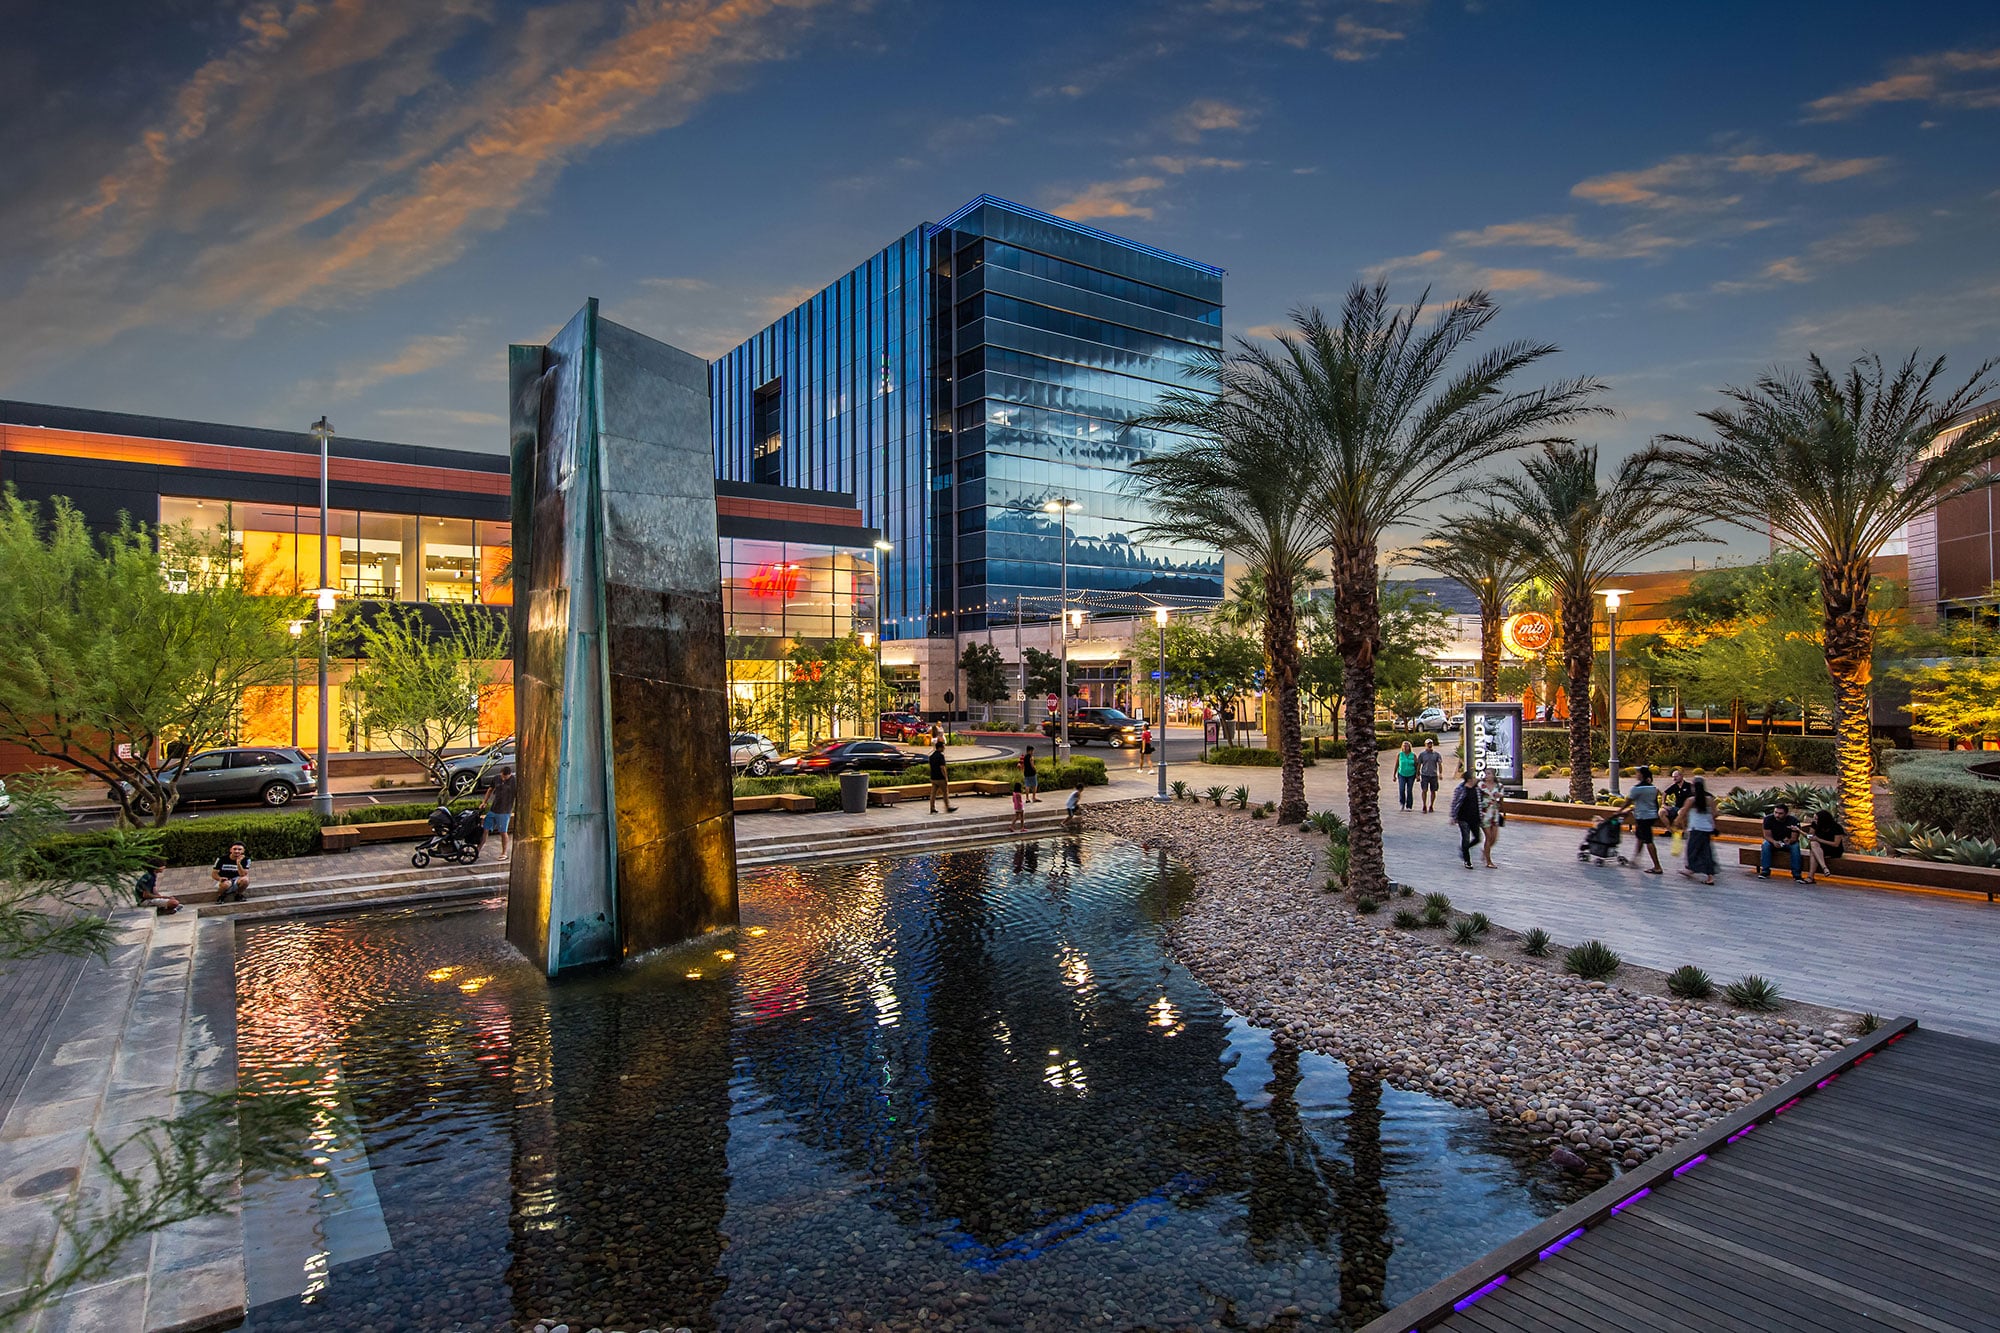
1645 807
1430 765
500 806
232 874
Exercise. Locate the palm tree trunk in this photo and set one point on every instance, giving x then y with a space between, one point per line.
1579 649
1281 649
1850 651
1358 612
1489 649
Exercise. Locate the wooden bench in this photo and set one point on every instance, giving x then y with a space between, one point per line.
339 837
392 830
794 802
892 795
981 787
1891 872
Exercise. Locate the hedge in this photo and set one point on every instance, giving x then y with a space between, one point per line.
1088 768
1245 756
1934 789
383 814
1664 749
199 842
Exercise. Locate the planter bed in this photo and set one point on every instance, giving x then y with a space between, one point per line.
1895 872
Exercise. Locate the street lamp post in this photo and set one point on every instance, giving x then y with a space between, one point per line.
1061 506
1611 596
880 548
1160 619
297 627
323 796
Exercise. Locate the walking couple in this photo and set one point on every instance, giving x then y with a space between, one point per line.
1476 809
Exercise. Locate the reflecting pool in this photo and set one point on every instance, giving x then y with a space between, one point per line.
968 1090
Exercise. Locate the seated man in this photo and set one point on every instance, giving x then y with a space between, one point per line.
1781 834
147 890
1073 812
232 874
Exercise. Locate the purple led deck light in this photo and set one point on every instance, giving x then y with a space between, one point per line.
1786 1107
1465 1301
1689 1165
1743 1131
1629 1200
1555 1247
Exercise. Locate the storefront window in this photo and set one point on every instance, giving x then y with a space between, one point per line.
496 558
451 566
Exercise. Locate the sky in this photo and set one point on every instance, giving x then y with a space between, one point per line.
258 213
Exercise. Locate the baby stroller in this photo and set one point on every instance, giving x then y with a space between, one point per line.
455 837
1601 843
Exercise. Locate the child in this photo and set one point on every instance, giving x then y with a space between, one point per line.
1020 824
147 890
1073 812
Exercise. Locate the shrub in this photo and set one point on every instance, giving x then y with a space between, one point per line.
1257 813
1405 919
1535 943
1690 983
1894 837
1179 788
1247 756
1666 749
1393 740
1215 795
1938 789
1270 807
1869 1023
1480 922
1592 960
1439 901
1545 770
1366 906
1329 823
1932 845
198 842
1975 852
1804 798
1338 858
1405 891
389 814
1434 917
1464 932
1240 797
1753 992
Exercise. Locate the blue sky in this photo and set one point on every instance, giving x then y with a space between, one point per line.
260 213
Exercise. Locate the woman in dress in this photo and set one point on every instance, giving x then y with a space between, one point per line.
1697 816
1825 839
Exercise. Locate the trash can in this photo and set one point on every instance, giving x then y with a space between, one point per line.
853 793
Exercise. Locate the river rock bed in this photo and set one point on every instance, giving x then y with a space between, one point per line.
1606 1071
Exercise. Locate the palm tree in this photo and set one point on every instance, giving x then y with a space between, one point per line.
1574 531
1835 465
1388 427
1241 484
1479 557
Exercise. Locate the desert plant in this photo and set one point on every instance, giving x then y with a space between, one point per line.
1327 822
1240 797
1690 983
1270 807
1407 920
1753 992
1440 901
1894 836
1258 812
1338 859
1592 960
1434 916
1405 891
1480 922
1215 795
1869 1023
1932 845
1535 943
1366 906
1179 788
1974 852
1464 932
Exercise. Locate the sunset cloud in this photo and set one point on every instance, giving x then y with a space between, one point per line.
1560 233
1206 115
1453 277
1695 182
1109 199
1961 80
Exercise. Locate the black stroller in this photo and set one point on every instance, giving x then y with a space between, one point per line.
1601 843
454 837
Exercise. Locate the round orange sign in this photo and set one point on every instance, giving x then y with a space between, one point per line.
1527 633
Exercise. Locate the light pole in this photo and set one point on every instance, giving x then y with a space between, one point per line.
297 627
323 796
1160 619
880 548
1061 506
1611 596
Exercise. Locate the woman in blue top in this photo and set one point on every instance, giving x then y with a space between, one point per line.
1406 778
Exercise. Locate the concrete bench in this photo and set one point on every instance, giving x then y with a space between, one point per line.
1891 872
777 800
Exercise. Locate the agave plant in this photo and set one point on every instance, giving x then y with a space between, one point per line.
1753 992
1690 983
1975 852
1895 837
1933 845
1480 923
1593 960
1535 943
1338 858
1437 901
1215 795
1179 788
1435 917
1407 920
1365 906
1240 797
1464 932
1808 797
1746 804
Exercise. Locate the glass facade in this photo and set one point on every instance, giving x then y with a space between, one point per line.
958 381
775 594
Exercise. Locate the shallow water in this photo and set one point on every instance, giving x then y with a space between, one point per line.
968 1090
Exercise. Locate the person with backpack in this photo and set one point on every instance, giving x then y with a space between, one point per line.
1464 812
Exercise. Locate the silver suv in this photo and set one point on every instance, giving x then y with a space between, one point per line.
751 753
467 773
273 774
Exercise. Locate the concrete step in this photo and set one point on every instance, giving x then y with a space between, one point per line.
305 901
905 840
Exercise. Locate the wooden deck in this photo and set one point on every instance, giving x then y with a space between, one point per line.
1863 1195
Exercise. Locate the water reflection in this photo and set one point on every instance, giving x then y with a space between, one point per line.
920 1091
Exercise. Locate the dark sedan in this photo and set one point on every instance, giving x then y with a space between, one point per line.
842 756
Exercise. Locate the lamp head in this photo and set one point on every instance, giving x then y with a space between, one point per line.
324 598
867 639
1062 505
1160 616
1076 618
881 545
1611 596
321 428
297 627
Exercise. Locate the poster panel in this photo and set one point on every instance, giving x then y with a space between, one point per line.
1493 742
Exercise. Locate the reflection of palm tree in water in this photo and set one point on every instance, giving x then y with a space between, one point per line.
1364 1207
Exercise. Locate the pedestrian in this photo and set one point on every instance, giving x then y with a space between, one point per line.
1464 812
1073 812
499 806
1781 834
940 784
1825 839
1406 778
147 890
1031 777
1492 814
1644 803
1020 824
231 874
1697 816
1430 765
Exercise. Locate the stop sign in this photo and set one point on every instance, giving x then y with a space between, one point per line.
1053 702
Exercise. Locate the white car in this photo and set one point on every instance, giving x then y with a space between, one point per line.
1431 719
752 754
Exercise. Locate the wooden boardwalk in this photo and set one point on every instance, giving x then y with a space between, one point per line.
1864 1195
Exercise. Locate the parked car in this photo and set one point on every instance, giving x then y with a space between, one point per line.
467 773
752 754
1431 719
841 756
1456 721
903 727
273 774
1110 725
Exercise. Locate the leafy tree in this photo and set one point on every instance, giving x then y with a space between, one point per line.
1479 557
985 673
1043 672
1212 663
420 687
1954 675
1575 531
1414 630
826 679
117 650
55 890
1240 482
1388 427
1834 464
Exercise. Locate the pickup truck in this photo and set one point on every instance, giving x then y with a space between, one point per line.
1114 728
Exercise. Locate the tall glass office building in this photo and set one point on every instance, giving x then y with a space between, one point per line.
960 379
